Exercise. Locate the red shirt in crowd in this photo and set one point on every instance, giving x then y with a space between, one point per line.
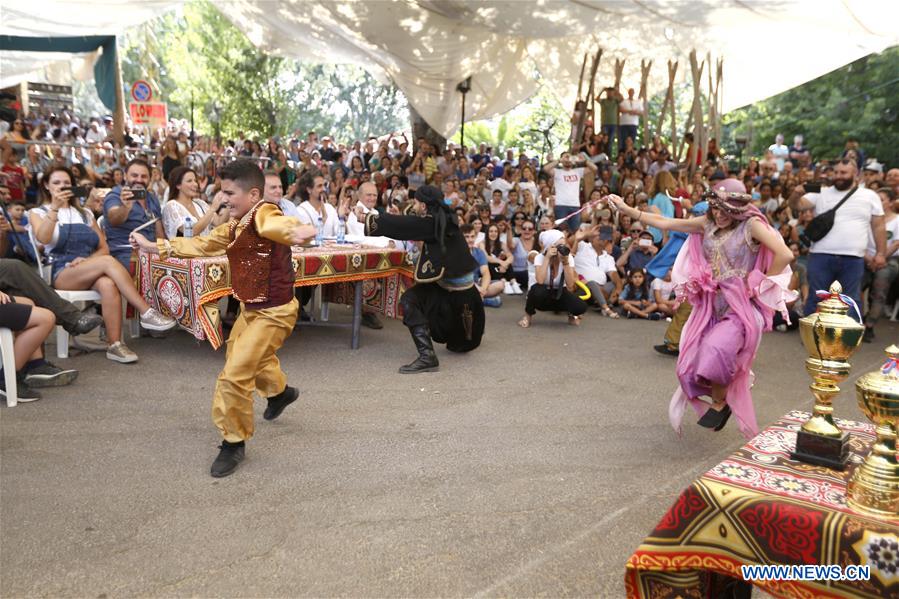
15 181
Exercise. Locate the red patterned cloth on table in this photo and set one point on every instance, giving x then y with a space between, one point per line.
188 289
759 507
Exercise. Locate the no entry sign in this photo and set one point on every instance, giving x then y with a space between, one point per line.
149 114
141 91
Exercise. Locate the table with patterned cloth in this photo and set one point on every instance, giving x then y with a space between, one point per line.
188 288
759 507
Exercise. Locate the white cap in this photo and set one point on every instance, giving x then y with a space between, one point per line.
874 166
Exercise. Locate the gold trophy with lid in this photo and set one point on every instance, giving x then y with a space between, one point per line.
830 337
874 486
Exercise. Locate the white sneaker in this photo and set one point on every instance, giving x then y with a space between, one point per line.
119 352
152 320
516 288
508 289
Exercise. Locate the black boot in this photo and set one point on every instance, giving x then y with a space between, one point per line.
277 403
229 457
427 359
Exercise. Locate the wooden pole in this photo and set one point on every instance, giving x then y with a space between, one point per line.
579 128
619 69
580 80
668 104
698 127
645 66
118 117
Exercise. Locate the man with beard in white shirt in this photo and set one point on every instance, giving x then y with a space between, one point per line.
840 254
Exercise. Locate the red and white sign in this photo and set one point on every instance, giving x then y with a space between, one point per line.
149 114
141 91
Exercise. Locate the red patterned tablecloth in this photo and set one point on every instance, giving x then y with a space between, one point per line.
760 507
188 288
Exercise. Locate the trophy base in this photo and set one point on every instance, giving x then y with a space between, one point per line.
830 452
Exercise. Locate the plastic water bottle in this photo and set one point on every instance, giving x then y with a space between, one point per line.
341 231
319 232
188 227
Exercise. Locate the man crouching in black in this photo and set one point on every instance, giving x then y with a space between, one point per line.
443 305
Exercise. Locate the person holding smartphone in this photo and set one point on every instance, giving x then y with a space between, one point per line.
128 207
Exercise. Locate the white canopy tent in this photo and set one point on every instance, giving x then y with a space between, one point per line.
509 47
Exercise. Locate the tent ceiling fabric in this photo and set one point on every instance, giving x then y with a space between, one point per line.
510 47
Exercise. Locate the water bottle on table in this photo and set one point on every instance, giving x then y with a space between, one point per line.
188 227
341 231
319 232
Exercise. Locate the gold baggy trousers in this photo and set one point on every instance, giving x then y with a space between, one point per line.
251 363
681 315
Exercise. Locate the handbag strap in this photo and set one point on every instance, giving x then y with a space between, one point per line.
845 197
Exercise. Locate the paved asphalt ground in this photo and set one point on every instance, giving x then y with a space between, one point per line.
531 467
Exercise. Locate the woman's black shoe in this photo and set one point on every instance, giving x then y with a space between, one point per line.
714 419
726 412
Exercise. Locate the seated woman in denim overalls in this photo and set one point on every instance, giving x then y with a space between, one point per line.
81 261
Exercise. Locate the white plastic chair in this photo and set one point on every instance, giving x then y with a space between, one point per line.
7 352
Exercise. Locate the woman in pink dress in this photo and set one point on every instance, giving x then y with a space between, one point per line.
734 270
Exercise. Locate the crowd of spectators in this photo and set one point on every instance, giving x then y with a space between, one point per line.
521 211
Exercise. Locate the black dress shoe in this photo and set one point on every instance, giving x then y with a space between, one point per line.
86 323
230 456
715 419
371 321
277 403
665 350
868 337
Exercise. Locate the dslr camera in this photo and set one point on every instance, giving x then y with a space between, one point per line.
564 250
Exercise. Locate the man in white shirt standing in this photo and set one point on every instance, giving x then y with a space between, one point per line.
840 255
629 113
780 150
567 175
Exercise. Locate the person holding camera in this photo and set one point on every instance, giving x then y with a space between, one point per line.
838 252
80 260
639 253
554 280
128 207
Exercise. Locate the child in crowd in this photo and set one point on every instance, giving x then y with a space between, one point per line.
490 290
663 294
635 300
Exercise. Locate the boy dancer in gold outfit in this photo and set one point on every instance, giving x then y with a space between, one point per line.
257 240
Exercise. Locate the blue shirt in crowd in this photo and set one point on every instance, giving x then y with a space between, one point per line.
117 237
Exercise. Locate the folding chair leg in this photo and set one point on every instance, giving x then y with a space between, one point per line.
895 315
62 343
326 311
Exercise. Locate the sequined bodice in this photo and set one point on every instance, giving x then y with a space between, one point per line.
730 253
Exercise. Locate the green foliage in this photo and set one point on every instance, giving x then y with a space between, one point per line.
858 100
522 127
196 56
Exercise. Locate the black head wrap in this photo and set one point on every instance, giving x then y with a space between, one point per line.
432 198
